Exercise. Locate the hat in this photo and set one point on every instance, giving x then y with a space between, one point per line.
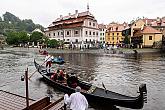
78 89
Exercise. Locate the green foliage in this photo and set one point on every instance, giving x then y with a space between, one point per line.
16 38
36 37
23 37
126 40
12 38
13 23
53 43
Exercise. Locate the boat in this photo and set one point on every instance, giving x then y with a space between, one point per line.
98 95
58 60
44 52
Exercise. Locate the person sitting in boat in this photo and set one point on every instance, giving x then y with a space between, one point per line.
54 76
60 58
72 81
61 76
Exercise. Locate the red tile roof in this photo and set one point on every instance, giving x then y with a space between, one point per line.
149 30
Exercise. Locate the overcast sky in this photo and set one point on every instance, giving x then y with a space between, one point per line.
105 11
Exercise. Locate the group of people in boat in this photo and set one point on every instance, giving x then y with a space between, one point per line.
61 76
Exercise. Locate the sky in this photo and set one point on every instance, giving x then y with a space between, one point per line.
44 12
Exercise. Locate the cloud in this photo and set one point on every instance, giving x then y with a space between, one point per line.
45 12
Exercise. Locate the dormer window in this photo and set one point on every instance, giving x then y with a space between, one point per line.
89 23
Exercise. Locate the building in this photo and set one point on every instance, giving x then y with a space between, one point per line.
102 32
147 37
114 34
78 30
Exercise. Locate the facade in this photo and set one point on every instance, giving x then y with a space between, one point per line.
79 29
147 37
102 32
114 34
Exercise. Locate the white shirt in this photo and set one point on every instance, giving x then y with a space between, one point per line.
66 97
78 101
48 58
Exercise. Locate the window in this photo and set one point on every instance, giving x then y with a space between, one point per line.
150 37
103 34
93 24
58 33
93 33
117 34
86 40
61 33
76 32
90 33
113 34
103 29
54 34
49 34
100 34
67 39
67 33
76 40
86 32
97 33
89 23
117 38
108 33
112 38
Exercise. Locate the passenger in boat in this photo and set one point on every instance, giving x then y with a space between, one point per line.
48 61
61 76
54 76
77 100
72 81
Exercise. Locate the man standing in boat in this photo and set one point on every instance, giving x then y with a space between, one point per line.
48 60
77 100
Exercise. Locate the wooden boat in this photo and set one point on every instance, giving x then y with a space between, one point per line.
58 60
98 95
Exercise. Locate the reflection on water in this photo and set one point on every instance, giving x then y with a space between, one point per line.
121 73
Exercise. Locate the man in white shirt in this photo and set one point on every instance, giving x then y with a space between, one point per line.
48 61
77 100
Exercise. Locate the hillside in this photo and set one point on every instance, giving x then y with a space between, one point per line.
12 23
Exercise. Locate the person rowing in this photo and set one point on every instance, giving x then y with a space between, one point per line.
48 60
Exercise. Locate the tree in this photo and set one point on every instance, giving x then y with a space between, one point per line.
36 37
23 37
126 40
12 38
0 19
53 43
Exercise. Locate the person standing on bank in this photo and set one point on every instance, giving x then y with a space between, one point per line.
48 61
77 100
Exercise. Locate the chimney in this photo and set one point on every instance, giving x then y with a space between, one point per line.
69 14
146 22
60 16
76 11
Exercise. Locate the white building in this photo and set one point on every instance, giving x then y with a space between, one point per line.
102 31
79 29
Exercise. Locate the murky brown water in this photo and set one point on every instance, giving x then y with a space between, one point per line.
121 73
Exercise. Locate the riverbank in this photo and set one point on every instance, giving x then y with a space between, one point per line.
98 51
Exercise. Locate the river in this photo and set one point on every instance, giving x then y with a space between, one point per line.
121 73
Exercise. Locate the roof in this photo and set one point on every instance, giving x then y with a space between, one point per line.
82 14
148 29
116 28
101 26
10 101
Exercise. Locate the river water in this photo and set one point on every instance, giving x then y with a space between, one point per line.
121 73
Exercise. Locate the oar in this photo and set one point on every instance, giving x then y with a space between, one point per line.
104 87
36 69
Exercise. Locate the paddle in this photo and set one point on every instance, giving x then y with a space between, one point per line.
36 69
104 87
